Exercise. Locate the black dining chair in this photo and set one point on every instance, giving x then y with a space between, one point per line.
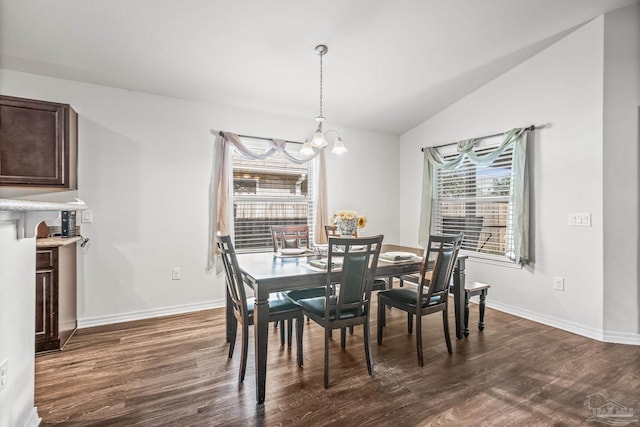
280 307
294 236
332 231
431 293
356 260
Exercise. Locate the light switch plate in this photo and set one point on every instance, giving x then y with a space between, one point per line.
87 216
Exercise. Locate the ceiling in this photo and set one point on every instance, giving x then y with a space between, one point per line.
390 64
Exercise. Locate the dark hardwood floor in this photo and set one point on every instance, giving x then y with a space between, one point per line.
174 371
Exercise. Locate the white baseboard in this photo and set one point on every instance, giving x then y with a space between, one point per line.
604 336
33 420
621 338
109 319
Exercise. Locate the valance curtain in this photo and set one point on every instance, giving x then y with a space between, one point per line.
433 160
220 187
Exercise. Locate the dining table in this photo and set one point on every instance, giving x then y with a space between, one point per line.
267 272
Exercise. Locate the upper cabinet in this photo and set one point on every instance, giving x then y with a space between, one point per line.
38 143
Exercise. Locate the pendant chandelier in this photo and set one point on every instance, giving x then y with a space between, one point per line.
318 139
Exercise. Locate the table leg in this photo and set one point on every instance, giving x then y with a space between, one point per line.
465 329
261 335
483 297
459 277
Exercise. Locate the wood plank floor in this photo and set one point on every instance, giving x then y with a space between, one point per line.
174 371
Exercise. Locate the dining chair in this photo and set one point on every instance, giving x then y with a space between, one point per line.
280 307
290 237
356 260
431 293
332 231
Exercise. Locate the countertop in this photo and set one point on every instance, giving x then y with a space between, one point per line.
50 242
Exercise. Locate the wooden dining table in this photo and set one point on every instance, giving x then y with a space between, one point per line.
266 272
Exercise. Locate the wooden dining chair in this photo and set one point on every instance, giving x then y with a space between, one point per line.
290 237
357 260
431 294
332 231
280 307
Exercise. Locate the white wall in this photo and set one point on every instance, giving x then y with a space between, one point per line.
144 170
621 132
17 321
561 87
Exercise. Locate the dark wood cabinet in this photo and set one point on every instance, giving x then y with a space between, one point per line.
56 316
38 143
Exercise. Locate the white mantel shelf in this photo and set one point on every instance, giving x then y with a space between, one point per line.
27 214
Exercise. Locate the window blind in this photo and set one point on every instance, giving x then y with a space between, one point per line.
266 192
477 200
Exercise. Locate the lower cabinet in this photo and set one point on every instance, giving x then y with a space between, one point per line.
56 315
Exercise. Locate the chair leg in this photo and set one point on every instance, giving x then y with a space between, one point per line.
367 348
299 332
232 337
350 330
326 357
282 329
409 323
419 339
381 319
445 322
245 349
289 331
343 338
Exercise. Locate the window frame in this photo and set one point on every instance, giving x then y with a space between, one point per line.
437 225
245 165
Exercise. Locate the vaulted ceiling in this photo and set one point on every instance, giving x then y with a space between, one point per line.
390 65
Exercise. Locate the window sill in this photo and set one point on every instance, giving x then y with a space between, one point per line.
491 260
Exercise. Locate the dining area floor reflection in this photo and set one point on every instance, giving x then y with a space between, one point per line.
175 370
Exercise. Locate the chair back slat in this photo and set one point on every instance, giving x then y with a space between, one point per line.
357 258
290 236
444 251
235 285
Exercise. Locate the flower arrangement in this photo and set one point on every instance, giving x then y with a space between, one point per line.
347 221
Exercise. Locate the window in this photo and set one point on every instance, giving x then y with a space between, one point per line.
271 191
477 200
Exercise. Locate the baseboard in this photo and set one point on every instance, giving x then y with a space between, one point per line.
621 338
109 319
548 320
33 420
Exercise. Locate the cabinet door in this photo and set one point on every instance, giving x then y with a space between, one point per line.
37 143
46 333
45 313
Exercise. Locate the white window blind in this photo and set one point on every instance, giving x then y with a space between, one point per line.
477 200
271 191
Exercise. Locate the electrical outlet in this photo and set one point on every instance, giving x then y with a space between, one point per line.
580 219
558 283
176 273
4 366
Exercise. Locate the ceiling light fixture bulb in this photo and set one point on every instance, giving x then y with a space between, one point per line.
338 146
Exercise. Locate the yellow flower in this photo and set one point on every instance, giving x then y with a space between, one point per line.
362 221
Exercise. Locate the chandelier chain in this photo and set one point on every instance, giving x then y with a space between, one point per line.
321 85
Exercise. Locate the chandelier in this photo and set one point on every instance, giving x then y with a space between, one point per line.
318 139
